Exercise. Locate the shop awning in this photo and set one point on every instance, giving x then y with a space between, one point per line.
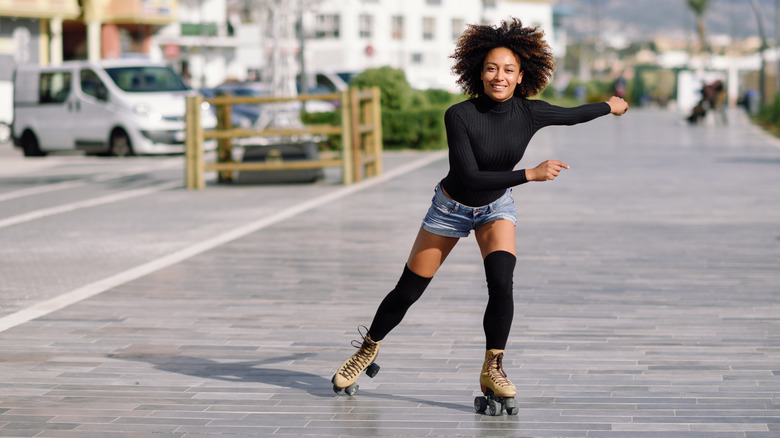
155 12
67 9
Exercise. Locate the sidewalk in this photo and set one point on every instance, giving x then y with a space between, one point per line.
647 297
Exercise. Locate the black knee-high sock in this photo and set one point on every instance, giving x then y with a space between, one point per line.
391 311
499 270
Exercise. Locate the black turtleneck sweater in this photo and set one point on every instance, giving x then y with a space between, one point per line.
487 139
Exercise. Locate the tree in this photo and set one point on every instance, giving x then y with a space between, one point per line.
763 99
699 7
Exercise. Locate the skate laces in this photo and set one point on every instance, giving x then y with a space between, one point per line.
496 372
367 351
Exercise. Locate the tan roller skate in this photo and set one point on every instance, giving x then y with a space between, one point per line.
363 360
499 392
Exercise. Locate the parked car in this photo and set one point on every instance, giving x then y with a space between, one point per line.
244 114
122 107
323 83
247 115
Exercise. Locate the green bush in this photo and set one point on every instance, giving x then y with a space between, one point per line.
595 90
768 117
414 128
410 118
770 113
332 143
395 91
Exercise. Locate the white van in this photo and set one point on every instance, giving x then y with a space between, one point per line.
6 110
111 107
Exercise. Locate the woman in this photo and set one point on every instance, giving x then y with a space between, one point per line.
499 68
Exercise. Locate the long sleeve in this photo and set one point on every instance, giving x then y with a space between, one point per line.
487 139
464 163
546 114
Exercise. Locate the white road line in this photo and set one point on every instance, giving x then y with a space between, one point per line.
44 212
45 307
40 189
137 170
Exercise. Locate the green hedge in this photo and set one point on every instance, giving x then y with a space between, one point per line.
411 119
768 117
417 128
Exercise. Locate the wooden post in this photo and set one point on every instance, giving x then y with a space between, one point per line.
189 144
200 163
195 144
353 130
346 140
365 136
357 155
224 145
376 113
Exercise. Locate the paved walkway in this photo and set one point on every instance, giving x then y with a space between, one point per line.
647 305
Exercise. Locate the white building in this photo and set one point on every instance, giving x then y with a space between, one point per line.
417 36
215 40
201 44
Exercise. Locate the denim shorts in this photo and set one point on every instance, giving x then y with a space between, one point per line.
448 218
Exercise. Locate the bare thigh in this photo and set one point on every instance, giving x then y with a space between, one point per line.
429 252
496 236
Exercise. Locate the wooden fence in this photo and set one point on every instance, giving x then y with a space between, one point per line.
360 131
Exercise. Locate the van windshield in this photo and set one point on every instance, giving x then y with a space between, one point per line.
146 79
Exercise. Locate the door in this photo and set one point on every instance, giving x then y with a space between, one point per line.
53 123
94 112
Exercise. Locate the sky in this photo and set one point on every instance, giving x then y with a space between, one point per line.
644 19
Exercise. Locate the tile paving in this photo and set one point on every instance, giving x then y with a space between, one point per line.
647 305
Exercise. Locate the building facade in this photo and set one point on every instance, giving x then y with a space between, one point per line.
417 36
207 41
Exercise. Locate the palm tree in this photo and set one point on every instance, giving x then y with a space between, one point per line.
699 7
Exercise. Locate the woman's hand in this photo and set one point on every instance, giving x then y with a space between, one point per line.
618 106
546 171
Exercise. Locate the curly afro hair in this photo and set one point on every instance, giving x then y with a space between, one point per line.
536 58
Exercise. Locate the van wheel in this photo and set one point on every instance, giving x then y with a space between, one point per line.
120 144
5 132
30 145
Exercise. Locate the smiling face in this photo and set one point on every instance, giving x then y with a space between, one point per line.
500 74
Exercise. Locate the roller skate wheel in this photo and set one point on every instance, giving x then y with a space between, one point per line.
372 370
511 407
480 404
352 389
494 407
336 389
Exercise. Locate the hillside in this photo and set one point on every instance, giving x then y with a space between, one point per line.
643 19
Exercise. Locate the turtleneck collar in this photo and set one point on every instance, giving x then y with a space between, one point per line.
485 104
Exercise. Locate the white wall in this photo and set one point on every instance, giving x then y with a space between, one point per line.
426 62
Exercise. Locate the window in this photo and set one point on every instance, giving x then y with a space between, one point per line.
146 79
327 26
458 26
398 27
488 4
366 26
54 87
417 58
433 2
92 85
429 28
